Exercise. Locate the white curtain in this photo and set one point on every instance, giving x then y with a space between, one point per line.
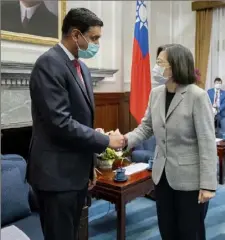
216 64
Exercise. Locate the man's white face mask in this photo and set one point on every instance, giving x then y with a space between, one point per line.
218 86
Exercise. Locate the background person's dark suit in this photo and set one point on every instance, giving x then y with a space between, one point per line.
42 23
63 142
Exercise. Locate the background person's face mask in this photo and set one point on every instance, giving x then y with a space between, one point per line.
90 51
158 72
218 86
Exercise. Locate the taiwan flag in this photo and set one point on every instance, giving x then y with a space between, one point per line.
140 72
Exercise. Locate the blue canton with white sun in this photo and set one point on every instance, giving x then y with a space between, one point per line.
141 14
141 27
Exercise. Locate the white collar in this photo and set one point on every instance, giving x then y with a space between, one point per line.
68 53
28 12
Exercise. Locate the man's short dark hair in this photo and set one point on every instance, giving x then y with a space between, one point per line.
181 61
218 80
80 18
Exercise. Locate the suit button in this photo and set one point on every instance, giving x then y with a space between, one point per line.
164 141
163 125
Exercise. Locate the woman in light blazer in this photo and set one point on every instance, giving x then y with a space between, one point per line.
180 115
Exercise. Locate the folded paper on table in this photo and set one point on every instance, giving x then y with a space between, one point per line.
135 168
218 140
13 233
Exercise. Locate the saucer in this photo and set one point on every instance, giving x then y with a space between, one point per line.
122 180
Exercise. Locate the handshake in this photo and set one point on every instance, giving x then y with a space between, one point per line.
116 139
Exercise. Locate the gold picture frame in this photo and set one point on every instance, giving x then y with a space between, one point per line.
27 38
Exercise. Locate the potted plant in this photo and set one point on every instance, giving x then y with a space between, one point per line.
106 159
111 159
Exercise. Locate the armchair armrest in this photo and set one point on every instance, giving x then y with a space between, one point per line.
142 156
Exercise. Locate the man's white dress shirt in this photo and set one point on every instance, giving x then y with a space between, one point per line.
27 12
216 102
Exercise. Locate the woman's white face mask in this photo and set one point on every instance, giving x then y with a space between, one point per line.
158 74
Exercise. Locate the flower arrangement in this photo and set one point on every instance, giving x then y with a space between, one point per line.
110 154
112 159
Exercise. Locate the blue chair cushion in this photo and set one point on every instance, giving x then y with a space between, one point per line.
148 144
139 147
142 156
14 204
19 161
31 226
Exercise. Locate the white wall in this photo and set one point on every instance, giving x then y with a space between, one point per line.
169 21
183 22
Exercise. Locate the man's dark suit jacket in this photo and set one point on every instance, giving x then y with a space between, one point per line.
42 23
64 141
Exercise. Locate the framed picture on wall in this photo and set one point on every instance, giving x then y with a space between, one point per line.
32 21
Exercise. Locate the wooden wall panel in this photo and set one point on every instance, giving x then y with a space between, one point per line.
107 110
112 112
107 116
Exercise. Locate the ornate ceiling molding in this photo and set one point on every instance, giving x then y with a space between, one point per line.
17 75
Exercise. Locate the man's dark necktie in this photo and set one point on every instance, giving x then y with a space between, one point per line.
78 68
25 21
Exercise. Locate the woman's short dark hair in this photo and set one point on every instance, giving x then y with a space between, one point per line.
80 18
217 79
181 61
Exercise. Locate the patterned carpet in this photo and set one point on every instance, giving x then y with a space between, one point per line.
141 221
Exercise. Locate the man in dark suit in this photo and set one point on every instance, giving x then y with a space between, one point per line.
30 17
64 142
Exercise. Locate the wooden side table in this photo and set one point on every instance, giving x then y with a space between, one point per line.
120 194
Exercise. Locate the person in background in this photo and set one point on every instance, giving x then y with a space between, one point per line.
217 98
64 143
184 172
